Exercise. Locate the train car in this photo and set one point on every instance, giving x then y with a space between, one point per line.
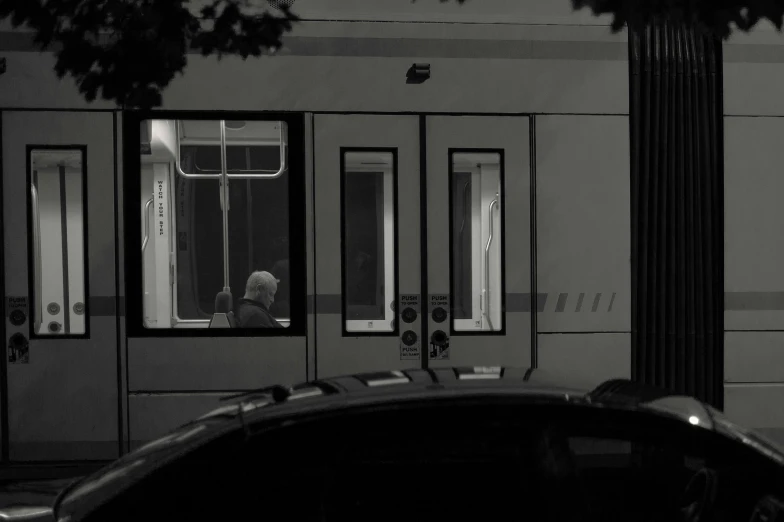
754 301
431 184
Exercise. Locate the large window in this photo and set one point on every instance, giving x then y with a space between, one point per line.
368 198
215 214
57 240
477 241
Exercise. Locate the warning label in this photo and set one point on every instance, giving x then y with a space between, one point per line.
18 349
409 301
439 301
410 353
16 303
439 345
409 346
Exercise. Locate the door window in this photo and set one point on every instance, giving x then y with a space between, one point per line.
369 241
476 195
58 241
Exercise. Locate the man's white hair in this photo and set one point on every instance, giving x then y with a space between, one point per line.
263 279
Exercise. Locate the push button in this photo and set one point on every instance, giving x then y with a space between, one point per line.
409 338
409 315
18 318
439 315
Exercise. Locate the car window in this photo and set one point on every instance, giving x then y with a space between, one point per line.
644 470
449 462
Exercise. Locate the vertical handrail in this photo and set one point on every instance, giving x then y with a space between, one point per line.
487 263
225 195
145 240
465 204
461 244
37 258
147 222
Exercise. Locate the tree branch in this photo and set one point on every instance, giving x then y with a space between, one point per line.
128 51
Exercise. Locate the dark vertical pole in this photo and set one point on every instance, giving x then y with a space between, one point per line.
675 113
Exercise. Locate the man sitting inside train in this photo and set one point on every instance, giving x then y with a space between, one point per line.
253 309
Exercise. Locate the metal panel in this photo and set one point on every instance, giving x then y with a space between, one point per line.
63 404
753 214
204 364
750 89
338 354
593 358
753 72
755 405
511 134
379 84
583 223
153 416
358 66
754 357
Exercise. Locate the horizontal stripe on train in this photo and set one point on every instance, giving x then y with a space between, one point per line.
566 302
410 48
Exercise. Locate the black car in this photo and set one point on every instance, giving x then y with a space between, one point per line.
446 444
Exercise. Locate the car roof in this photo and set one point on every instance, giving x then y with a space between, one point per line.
392 387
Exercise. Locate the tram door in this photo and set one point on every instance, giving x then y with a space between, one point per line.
478 241
366 185
370 314
60 285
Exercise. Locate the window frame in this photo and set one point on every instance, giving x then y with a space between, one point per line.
82 149
394 332
501 233
132 150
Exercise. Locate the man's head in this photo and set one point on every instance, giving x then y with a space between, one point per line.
261 287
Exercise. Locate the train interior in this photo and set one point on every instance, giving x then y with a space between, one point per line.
205 232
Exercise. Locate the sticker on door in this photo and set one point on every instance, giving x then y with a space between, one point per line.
18 349
439 345
409 340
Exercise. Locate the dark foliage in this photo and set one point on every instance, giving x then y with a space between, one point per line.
720 17
130 50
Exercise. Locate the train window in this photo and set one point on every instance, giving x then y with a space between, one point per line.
215 210
477 238
369 265
57 218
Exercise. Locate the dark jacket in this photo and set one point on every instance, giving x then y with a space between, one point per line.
252 314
